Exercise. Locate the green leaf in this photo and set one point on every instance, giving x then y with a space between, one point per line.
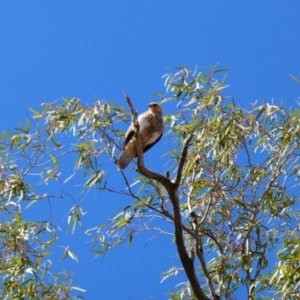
27 126
221 70
72 255
36 114
54 161
130 239
18 219
295 78
96 177
64 255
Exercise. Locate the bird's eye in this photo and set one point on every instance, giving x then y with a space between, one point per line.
155 105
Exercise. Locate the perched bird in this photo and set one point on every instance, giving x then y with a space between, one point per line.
151 130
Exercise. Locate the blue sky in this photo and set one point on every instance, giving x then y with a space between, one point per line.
99 49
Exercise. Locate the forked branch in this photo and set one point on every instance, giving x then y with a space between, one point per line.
171 187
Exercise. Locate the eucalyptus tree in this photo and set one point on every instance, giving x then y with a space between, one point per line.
230 191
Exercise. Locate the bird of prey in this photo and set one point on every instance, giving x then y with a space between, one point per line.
151 130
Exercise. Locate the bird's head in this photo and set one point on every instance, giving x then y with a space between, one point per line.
155 107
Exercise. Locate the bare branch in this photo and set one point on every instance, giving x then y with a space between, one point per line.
198 246
199 253
186 260
135 123
132 110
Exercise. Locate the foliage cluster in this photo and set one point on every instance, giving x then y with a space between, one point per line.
230 189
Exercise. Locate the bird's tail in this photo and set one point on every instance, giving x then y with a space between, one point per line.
124 159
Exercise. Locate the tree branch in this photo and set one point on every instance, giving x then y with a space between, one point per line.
136 124
186 260
198 246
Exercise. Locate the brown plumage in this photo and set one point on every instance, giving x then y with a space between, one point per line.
151 130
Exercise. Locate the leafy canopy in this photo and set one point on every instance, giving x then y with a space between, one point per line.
230 188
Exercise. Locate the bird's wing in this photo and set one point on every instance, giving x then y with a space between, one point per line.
149 146
126 155
128 136
142 119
